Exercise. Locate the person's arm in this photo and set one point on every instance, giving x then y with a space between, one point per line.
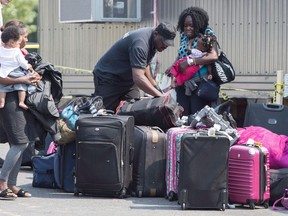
209 58
31 78
143 82
209 67
148 74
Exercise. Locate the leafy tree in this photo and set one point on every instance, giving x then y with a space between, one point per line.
24 10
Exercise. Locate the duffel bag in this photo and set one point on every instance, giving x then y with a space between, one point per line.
161 111
43 171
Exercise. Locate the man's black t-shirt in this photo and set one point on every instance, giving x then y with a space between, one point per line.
135 50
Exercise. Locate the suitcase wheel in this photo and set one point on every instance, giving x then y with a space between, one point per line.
76 192
251 205
123 194
172 196
183 206
266 204
223 207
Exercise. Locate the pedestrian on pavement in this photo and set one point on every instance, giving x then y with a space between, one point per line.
16 128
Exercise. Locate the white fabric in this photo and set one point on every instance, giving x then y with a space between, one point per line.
11 59
196 53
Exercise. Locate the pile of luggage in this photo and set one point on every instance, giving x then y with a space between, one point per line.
147 150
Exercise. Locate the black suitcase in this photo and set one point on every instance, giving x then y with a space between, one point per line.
203 171
270 116
149 162
104 155
162 112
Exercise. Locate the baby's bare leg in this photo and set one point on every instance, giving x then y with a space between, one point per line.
22 96
2 99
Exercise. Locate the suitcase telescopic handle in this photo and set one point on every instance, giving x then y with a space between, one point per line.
273 107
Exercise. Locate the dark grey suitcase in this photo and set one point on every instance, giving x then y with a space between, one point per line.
270 116
149 162
104 155
203 171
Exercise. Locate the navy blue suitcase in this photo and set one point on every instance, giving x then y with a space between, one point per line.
43 171
64 166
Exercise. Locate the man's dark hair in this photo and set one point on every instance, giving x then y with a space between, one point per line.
199 16
11 32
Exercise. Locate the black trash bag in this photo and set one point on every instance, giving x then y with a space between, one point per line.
34 59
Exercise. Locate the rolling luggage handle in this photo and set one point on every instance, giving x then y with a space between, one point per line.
273 107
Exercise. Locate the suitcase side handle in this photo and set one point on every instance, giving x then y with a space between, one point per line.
131 155
273 107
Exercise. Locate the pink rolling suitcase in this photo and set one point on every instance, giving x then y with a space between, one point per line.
249 175
174 135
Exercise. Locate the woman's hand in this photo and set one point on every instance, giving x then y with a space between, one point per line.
31 78
35 77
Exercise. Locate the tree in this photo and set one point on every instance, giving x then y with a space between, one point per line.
24 10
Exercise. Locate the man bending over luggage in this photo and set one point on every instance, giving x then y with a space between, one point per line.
121 71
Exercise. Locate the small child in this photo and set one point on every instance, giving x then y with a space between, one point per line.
12 64
203 46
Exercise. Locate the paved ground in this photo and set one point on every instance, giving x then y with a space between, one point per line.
56 202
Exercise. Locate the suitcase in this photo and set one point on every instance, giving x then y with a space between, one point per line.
104 155
249 175
64 166
269 116
278 184
149 162
162 112
43 171
203 179
172 160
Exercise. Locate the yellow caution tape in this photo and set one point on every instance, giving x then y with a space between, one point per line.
74 69
32 46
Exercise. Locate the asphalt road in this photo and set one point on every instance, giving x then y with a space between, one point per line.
55 202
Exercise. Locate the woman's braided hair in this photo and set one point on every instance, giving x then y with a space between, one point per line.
199 16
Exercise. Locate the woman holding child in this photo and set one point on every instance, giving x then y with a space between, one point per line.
193 22
16 127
